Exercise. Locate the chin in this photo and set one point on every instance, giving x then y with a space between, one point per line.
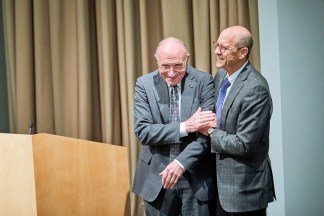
220 65
173 83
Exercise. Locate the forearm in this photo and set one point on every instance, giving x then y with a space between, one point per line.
193 152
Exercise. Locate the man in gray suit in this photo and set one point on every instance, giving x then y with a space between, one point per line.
175 173
241 137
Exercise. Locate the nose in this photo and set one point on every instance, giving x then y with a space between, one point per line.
172 72
217 51
171 69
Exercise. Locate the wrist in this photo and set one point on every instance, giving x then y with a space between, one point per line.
210 131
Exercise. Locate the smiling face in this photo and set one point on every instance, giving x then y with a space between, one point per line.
172 58
229 55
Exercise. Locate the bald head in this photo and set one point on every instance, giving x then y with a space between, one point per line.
240 36
171 45
233 48
172 57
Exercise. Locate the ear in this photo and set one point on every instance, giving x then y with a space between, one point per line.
188 57
243 52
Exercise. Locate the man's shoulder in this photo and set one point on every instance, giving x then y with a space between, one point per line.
149 75
196 72
148 78
255 78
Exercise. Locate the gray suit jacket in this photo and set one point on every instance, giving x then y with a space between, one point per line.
244 176
155 132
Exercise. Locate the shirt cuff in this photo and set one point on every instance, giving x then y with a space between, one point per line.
182 167
183 131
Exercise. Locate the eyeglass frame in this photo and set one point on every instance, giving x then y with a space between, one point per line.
183 65
222 48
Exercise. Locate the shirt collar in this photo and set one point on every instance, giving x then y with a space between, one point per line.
233 77
178 85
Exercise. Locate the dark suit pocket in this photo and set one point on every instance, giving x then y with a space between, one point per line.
246 168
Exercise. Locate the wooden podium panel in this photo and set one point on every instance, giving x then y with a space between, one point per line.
17 182
76 177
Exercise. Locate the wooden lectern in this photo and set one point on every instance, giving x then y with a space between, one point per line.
48 175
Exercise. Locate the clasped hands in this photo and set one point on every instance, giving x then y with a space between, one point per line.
200 121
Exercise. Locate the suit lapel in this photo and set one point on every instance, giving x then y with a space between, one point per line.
234 91
161 92
218 81
188 88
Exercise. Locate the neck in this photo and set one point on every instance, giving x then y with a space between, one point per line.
236 67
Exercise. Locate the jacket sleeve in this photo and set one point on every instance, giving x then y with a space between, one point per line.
147 131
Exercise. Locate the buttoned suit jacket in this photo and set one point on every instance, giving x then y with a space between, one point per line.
155 133
241 143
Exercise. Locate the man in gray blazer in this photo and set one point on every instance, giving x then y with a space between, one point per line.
185 185
241 137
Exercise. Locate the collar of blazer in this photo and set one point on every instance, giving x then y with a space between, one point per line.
235 89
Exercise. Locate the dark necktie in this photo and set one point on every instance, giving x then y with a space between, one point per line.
174 117
220 100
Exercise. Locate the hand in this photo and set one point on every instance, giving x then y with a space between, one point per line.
171 174
198 120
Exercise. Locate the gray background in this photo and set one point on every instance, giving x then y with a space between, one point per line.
292 52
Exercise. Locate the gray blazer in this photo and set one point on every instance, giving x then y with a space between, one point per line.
244 176
155 132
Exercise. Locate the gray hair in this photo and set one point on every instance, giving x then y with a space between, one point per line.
246 41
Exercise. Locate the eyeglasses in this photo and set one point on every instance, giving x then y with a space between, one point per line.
175 66
221 48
